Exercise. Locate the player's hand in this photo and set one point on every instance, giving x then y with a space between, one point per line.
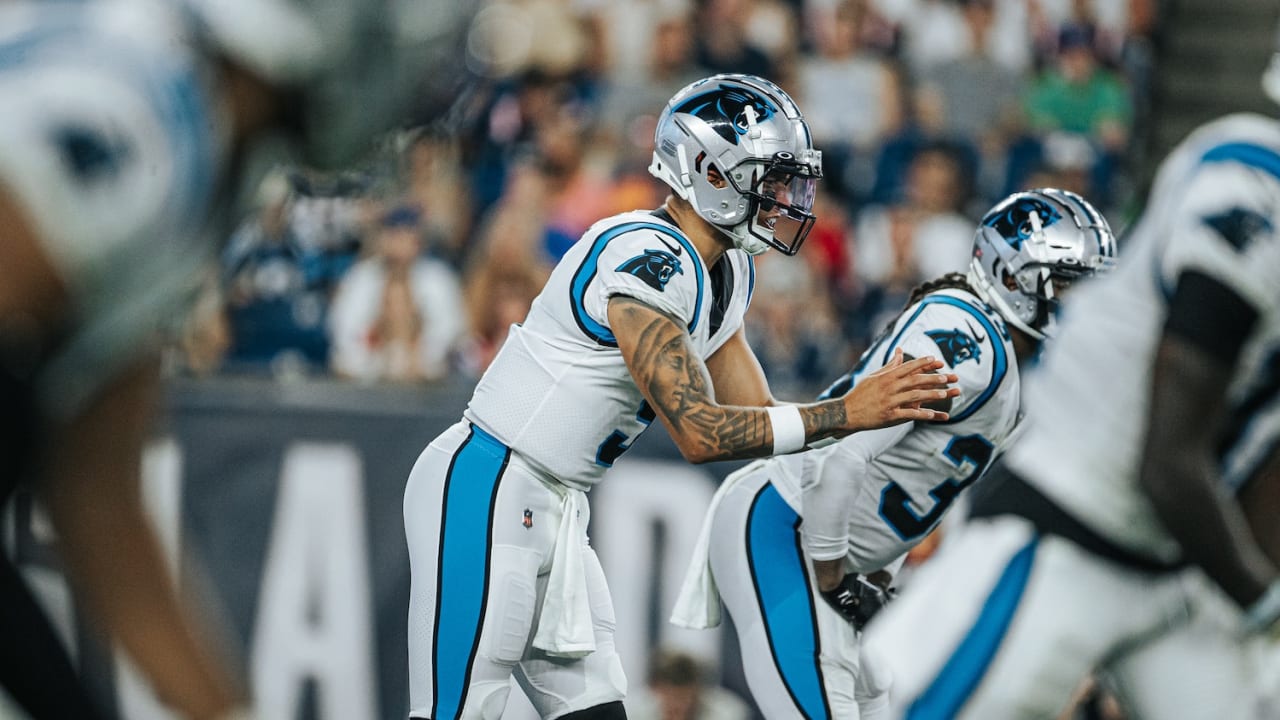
856 599
899 392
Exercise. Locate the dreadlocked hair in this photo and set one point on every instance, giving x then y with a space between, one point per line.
950 281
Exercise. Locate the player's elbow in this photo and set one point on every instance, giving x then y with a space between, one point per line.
693 447
696 453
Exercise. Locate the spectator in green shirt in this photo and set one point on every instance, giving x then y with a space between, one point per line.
1078 95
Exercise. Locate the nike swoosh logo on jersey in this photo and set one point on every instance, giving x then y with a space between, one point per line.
972 331
674 250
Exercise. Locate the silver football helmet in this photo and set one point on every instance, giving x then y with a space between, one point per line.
350 68
1030 247
738 150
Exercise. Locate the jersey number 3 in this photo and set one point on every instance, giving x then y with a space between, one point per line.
895 503
616 444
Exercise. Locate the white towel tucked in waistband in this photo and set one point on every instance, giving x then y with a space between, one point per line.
564 627
698 604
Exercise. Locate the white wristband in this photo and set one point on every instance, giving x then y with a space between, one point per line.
788 428
1264 613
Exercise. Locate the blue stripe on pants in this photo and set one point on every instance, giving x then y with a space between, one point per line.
971 658
471 486
782 589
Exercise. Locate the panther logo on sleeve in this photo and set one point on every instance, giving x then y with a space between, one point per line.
1239 226
957 346
654 267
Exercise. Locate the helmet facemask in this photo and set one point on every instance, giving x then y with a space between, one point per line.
780 197
1045 283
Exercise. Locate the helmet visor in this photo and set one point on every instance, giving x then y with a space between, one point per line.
782 202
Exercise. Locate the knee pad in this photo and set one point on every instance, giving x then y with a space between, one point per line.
513 602
875 677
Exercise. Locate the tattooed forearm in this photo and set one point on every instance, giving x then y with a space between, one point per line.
729 433
676 382
824 418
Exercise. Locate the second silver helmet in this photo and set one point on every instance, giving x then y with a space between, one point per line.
1029 247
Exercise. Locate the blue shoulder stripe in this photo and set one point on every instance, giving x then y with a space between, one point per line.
586 272
1001 365
1254 156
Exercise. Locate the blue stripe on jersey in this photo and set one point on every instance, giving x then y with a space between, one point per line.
1001 357
1255 156
466 534
961 675
786 604
587 271
751 282
188 116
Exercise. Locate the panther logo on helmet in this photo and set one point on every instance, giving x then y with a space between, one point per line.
654 267
1015 224
725 110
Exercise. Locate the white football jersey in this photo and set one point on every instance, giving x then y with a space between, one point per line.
109 144
559 391
873 495
1213 209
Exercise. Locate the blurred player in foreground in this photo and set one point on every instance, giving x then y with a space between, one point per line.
1115 535
825 528
642 319
126 127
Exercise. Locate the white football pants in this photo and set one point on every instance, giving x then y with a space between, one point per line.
801 657
1006 623
481 527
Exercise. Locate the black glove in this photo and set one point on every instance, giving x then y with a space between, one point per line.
856 599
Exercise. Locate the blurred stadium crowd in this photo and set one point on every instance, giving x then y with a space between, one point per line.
412 267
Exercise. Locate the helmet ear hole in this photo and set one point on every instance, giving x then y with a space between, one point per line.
715 178
1008 280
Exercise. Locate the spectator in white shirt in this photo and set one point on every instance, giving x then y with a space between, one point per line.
396 314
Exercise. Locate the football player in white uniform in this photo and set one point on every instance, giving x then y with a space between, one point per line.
1112 539
126 125
642 319
825 528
